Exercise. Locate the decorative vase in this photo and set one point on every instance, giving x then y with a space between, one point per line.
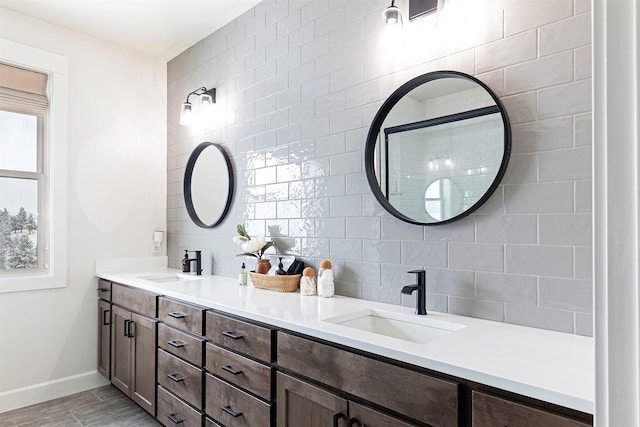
263 266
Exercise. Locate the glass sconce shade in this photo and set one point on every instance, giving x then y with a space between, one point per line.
206 104
392 32
392 16
186 114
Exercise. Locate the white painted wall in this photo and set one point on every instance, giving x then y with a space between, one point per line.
117 198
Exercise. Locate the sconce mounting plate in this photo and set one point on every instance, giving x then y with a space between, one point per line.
420 8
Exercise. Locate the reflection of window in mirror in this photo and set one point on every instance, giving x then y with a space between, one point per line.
433 202
442 199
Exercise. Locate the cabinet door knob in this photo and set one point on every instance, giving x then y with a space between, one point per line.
232 335
177 343
337 417
231 412
228 368
173 418
176 377
177 314
105 317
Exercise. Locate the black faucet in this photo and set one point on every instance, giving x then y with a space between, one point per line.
186 262
421 287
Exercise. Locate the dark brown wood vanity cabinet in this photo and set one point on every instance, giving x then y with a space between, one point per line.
303 404
133 344
104 328
356 378
238 381
180 363
492 411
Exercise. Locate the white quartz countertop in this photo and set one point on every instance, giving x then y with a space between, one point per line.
551 366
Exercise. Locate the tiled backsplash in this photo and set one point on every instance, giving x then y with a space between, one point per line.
298 85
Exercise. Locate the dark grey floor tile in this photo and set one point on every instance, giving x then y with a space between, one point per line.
134 418
105 409
65 420
107 392
47 410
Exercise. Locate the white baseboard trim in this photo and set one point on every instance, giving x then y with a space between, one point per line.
38 393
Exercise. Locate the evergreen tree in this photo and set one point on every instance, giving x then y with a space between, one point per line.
20 220
22 254
30 224
6 242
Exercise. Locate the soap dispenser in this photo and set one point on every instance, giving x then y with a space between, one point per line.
186 262
242 276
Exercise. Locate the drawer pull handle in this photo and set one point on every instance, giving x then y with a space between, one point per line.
177 343
106 315
176 377
173 418
337 417
177 314
103 290
229 369
231 412
232 335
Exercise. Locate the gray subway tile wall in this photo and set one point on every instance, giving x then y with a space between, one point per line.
299 82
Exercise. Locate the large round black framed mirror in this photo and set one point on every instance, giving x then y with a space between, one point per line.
208 185
437 148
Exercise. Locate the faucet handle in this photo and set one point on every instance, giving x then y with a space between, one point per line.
421 276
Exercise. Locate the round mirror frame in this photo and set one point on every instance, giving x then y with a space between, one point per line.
188 173
381 115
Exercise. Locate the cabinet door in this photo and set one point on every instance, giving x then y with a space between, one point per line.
121 348
143 390
104 338
361 416
302 404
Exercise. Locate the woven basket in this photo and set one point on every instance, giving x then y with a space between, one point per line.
284 283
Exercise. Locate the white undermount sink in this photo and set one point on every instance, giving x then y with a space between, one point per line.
170 277
412 328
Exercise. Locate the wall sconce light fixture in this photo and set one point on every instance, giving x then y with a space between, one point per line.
207 99
392 36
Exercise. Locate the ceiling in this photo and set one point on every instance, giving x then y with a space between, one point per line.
160 28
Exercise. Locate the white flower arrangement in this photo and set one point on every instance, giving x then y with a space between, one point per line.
252 246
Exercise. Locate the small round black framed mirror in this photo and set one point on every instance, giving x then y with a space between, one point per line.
437 148
208 185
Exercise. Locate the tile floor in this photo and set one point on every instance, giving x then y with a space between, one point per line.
104 407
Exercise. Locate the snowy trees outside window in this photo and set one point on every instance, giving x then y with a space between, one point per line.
18 240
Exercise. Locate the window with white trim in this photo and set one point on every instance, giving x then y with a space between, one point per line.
34 118
23 204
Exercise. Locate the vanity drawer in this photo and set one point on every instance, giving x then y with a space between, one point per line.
180 377
413 394
104 289
490 411
182 344
233 407
173 411
135 300
181 315
243 337
239 370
